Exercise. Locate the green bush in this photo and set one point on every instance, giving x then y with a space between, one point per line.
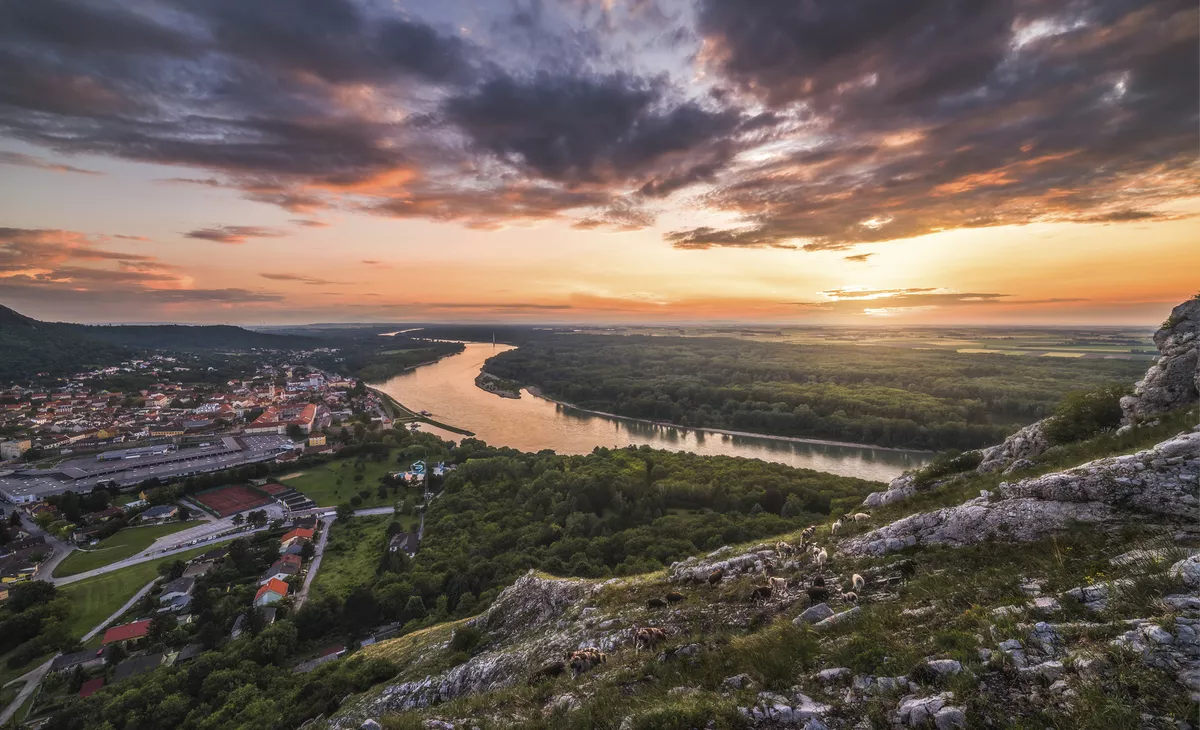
1084 414
945 464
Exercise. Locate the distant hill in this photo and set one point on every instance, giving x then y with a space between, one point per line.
30 346
192 337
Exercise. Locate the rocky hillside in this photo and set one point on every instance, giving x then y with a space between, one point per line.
1063 594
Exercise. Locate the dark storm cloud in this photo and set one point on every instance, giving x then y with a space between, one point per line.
818 124
233 234
932 115
583 129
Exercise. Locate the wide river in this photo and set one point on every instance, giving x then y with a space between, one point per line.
447 390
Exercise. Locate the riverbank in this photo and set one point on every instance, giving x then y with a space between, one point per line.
489 383
537 393
403 413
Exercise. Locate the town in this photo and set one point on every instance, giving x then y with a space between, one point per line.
178 491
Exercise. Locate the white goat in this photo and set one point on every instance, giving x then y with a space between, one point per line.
858 582
835 527
861 517
822 558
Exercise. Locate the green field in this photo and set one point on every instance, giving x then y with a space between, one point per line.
96 598
351 555
333 483
124 544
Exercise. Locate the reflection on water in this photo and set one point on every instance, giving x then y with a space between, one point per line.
447 390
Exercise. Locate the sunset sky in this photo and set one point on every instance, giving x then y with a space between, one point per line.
809 161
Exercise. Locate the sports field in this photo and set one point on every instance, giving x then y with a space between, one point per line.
225 501
333 483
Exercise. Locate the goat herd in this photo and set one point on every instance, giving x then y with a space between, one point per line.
584 660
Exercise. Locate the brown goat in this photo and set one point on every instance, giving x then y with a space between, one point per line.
656 603
648 638
674 597
761 594
715 577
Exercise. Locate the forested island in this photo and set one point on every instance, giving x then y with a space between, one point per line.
904 398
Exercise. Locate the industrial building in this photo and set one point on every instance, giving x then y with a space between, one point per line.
135 466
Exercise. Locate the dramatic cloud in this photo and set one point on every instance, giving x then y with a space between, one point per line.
932 115
311 280
22 160
810 124
233 234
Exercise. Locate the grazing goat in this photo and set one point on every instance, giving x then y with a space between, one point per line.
761 594
647 638
715 577
583 660
860 517
807 534
822 557
907 568
857 581
783 549
674 597
548 671
850 597
835 527
656 603
817 594
819 580
780 583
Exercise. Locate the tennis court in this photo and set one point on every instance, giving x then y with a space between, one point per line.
230 500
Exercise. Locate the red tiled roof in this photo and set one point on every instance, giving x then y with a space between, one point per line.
135 630
303 532
273 586
89 687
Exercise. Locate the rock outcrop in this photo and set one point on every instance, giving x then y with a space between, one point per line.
1161 481
1174 381
1028 443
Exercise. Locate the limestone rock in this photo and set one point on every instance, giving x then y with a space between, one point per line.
835 674
1174 381
1028 443
370 725
899 489
738 681
945 666
838 619
1187 570
1161 480
926 711
561 704
813 614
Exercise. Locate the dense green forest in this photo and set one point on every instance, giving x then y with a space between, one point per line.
191 337
611 512
30 347
877 395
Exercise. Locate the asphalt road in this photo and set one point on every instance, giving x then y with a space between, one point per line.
32 679
144 556
315 565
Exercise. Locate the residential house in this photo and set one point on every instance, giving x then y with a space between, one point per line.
161 513
274 591
291 538
284 568
177 588
403 541
126 632
134 667
87 659
195 570
191 651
